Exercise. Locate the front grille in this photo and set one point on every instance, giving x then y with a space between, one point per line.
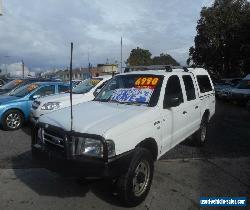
52 138
36 104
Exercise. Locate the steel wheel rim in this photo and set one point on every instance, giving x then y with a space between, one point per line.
141 178
13 120
203 133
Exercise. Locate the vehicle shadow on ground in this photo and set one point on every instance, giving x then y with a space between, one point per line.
46 179
27 128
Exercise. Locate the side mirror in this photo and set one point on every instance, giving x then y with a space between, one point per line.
34 97
172 102
96 92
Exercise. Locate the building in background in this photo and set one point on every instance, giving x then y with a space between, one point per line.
107 68
15 70
81 73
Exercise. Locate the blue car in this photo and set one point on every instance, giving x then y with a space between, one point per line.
17 83
15 107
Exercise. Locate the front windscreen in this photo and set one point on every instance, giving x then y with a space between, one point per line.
86 85
132 89
12 84
24 90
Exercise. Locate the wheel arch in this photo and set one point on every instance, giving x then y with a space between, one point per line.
151 145
206 115
9 109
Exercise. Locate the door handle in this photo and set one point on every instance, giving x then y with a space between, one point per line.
184 112
196 107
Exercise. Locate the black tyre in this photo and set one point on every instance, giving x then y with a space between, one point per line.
12 120
200 136
134 186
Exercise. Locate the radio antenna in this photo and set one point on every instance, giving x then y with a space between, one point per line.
70 76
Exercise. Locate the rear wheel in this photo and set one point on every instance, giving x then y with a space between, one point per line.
12 120
134 186
200 136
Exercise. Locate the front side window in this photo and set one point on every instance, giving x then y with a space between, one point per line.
173 90
45 91
189 87
204 83
140 89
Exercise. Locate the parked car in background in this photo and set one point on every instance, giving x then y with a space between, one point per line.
16 83
134 120
219 87
15 107
76 82
2 82
225 93
83 92
224 87
241 92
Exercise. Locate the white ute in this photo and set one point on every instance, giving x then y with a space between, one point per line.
135 119
83 92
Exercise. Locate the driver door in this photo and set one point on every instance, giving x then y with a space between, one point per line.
174 118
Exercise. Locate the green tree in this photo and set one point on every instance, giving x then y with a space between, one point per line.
139 57
164 59
222 43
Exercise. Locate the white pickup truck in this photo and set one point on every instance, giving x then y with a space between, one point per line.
83 92
135 119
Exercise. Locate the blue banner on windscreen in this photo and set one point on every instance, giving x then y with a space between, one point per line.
139 95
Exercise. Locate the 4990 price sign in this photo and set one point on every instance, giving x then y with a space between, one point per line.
147 82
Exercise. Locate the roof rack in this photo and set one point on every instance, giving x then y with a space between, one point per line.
167 68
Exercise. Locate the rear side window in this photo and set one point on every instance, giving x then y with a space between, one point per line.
63 88
204 83
189 87
173 89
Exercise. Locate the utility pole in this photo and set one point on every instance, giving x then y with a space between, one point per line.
70 74
89 65
23 68
121 56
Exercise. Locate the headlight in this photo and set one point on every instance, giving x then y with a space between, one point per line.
92 147
111 148
51 106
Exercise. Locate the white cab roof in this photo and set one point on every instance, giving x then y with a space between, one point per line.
195 71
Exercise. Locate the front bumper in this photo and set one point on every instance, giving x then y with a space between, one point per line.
62 159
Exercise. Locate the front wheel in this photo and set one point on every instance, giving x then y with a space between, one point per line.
134 186
12 120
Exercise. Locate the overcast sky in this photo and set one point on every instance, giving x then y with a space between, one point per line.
40 31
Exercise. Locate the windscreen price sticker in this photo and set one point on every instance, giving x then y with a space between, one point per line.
95 82
18 81
146 82
32 87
